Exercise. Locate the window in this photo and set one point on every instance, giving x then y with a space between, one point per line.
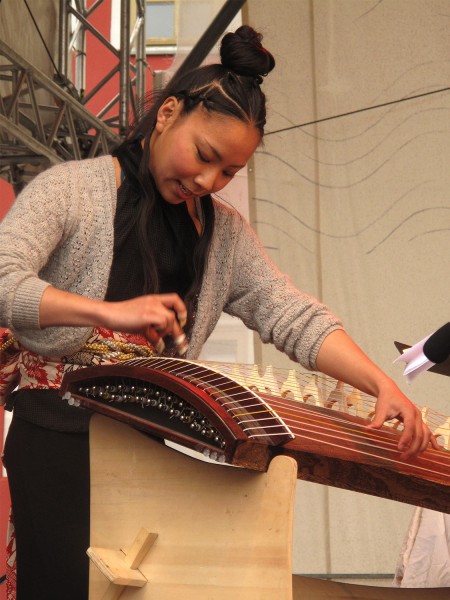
160 21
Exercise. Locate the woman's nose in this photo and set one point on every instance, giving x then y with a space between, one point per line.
208 180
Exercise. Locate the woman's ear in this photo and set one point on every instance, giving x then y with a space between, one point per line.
167 113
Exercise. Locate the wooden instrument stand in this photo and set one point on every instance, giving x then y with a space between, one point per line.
217 532
222 532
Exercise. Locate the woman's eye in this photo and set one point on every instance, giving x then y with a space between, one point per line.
202 157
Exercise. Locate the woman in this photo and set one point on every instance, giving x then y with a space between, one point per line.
114 256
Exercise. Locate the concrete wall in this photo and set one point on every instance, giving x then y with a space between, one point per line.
21 29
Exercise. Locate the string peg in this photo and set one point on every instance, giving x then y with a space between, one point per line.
443 431
424 412
336 396
291 388
311 392
354 401
270 383
254 381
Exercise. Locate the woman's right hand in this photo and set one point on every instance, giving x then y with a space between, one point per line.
154 315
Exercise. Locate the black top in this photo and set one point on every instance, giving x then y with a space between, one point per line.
174 238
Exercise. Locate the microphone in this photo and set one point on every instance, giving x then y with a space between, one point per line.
437 346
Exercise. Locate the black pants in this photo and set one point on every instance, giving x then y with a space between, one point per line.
48 475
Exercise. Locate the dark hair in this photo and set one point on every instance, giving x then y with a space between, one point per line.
231 88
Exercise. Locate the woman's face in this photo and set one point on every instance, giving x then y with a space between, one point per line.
199 153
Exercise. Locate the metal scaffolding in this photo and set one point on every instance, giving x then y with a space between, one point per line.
45 121
73 26
34 134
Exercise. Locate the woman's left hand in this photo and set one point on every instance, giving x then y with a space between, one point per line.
341 358
393 404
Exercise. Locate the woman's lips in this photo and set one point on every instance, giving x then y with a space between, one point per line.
184 191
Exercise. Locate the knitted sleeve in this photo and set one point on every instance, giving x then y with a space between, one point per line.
59 232
30 232
268 302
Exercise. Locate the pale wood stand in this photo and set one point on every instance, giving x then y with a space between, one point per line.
165 526
222 532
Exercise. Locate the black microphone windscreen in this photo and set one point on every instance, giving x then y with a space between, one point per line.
437 346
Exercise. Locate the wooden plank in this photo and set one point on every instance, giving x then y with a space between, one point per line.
135 554
114 567
223 532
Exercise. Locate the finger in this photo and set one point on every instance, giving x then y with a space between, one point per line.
163 327
180 339
174 302
375 424
182 344
412 436
155 333
406 443
434 443
164 322
411 450
155 339
182 317
379 418
425 439
425 443
430 439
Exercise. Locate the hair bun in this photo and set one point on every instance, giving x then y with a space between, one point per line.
243 53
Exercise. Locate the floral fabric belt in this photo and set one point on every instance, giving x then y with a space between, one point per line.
22 369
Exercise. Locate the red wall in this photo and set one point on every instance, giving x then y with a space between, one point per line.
6 197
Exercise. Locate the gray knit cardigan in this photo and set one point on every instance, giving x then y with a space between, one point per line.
60 231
